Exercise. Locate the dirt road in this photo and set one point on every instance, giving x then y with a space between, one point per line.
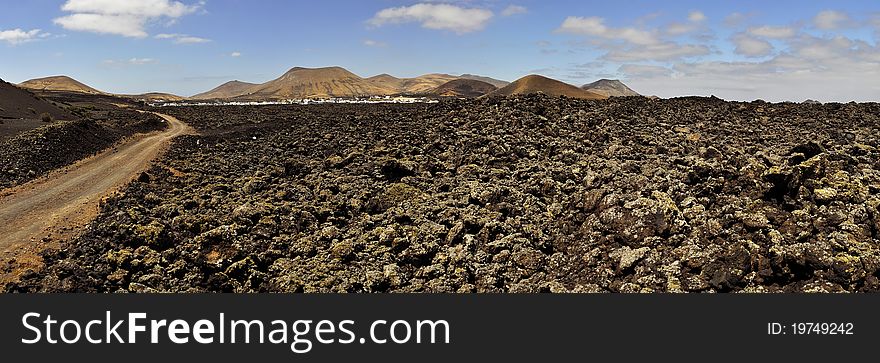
57 205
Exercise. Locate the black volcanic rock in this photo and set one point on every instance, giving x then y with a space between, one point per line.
516 194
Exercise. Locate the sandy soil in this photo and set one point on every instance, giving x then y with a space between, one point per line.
36 215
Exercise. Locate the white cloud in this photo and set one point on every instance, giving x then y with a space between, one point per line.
235 54
435 16
630 44
129 62
18 36
124 25
734 19
514 10
182 38
128 18
141 61
695 23
775 32
147 8
190 40
374 43
750 46
821 50
643 71
830 19
827 69
595 26
697 16
679 28
770 62
666 51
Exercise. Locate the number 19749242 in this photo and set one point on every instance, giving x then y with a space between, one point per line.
811 329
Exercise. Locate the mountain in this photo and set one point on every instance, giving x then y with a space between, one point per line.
388 82
325 82
610 88
17 103
468 88
425 83
301 82
156 96
495 82
59 83
535 84
229 89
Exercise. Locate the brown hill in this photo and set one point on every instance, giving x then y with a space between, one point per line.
468 88
17 103
610 88
388 82
540 84
316 83
229 89
156 96
334 82
59 83
495 82
425 83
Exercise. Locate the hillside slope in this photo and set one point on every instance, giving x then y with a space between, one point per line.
59 83
467 88
229 89
325 82
17 103
539 84
495 82
610 88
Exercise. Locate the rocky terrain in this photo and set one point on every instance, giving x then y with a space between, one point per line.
31 154
519 194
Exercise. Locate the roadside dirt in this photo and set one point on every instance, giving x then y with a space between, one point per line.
39 214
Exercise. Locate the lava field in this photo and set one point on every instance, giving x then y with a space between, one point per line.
34 153
520 194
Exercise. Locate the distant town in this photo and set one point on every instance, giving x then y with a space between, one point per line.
297 101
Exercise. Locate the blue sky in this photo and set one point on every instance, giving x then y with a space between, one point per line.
775 50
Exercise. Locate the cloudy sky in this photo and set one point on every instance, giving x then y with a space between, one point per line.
743 50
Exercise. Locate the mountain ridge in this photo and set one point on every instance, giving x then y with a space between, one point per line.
336 81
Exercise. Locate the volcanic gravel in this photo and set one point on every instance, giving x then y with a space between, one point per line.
34 153
527 194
